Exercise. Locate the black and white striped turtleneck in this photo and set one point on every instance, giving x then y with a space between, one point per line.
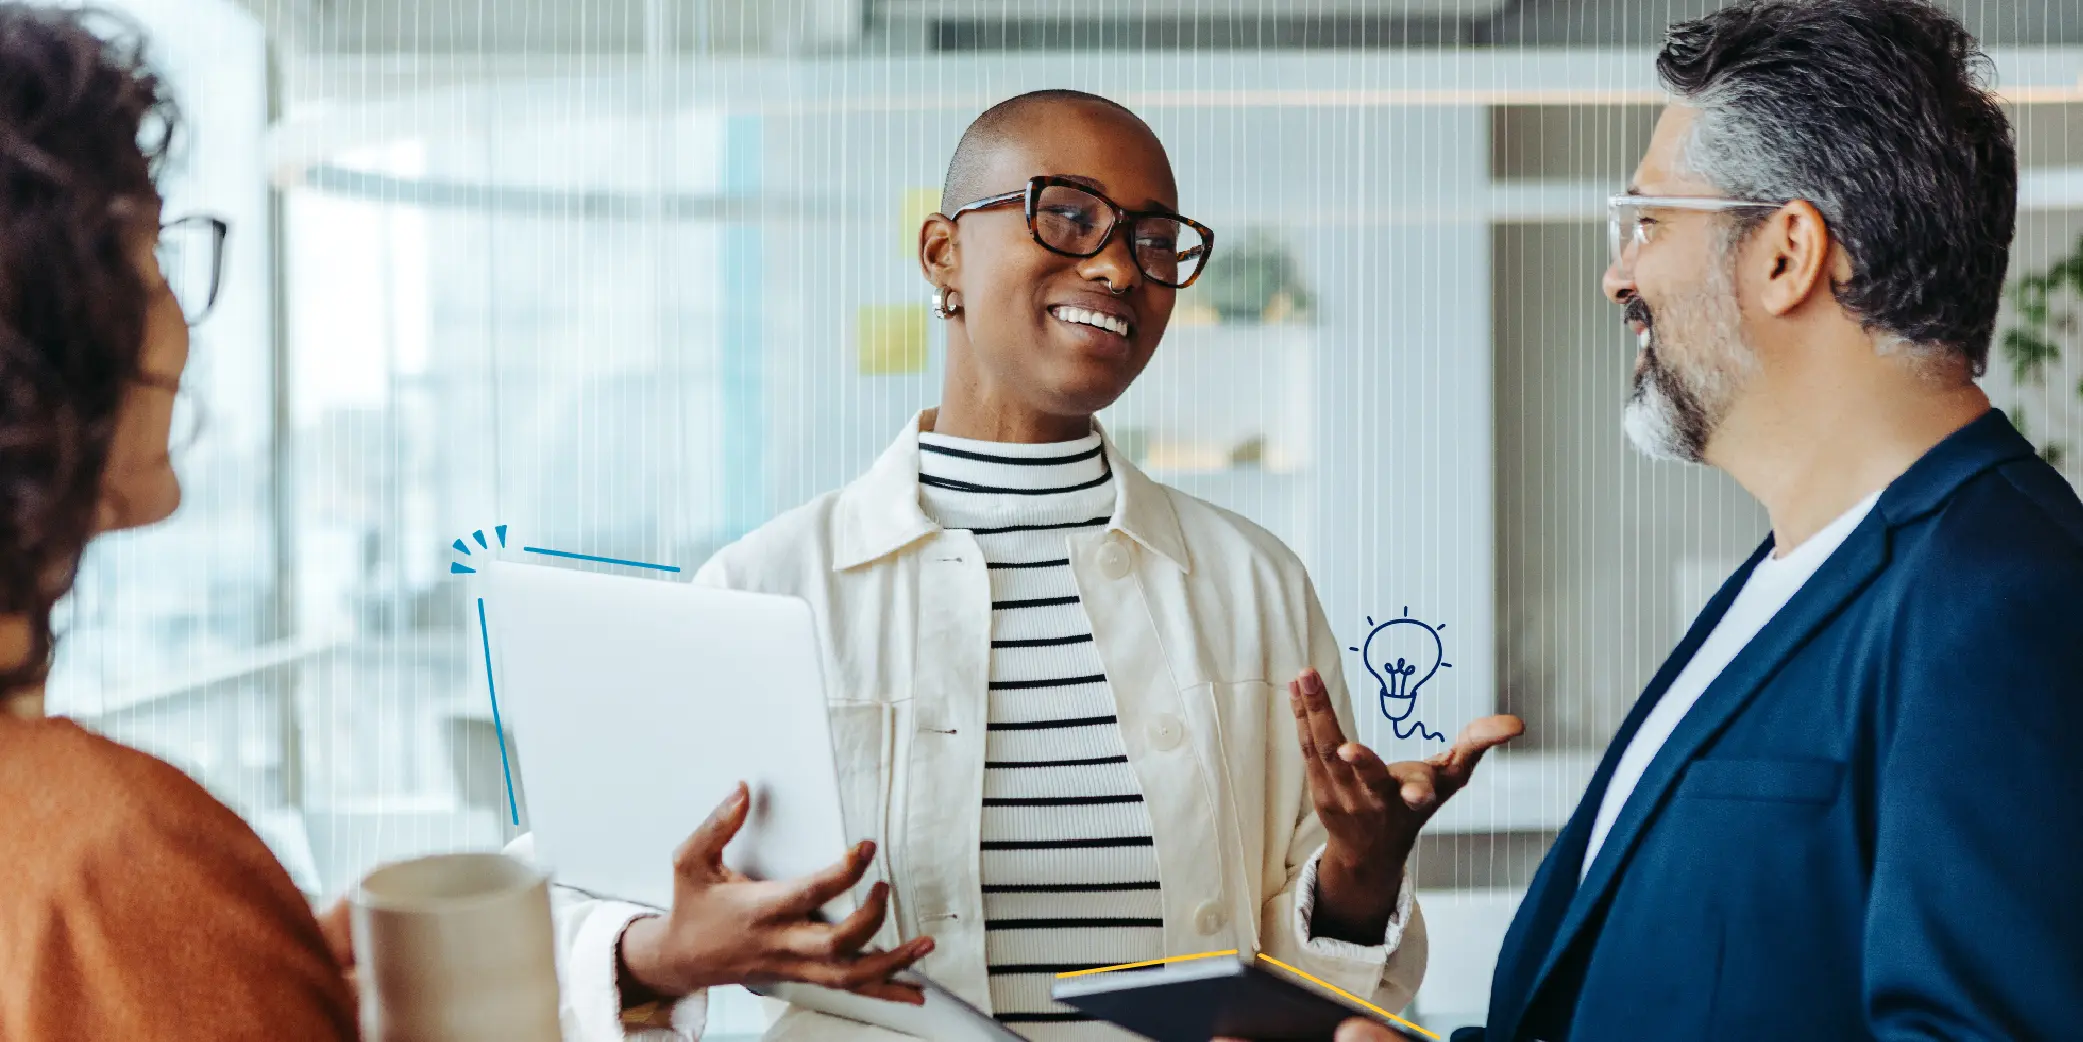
1068 870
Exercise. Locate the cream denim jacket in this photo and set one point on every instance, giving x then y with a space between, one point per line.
1201 619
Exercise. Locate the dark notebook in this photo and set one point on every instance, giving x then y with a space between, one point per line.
1218 997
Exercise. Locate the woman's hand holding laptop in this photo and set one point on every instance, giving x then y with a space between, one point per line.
726 928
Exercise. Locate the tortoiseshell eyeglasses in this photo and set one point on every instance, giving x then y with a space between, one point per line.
1076 220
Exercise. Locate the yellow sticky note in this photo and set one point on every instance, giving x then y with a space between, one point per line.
890 339
919 204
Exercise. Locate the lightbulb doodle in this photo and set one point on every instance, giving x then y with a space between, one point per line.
1402 654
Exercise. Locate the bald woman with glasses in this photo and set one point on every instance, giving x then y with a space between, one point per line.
1088 719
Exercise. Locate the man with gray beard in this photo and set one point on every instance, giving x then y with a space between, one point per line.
1845 808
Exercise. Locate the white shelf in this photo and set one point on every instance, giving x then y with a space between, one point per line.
248 663
1265 336
1183 476
1213 388
1518 792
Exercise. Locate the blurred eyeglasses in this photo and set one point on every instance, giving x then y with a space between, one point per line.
191 256
1631 221
1074 220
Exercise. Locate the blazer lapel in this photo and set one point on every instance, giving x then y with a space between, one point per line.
1548 897
1849 569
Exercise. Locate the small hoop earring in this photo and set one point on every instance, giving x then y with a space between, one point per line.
945 304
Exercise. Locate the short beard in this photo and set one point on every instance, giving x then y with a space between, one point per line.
1662 420
1679 402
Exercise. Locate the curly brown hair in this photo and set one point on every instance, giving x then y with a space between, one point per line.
85 126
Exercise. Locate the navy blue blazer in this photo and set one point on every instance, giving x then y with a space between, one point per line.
1870 826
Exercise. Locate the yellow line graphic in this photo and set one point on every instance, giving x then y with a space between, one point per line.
1140 965
1349 995
1232 951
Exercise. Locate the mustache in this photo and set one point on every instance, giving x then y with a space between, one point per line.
1637 310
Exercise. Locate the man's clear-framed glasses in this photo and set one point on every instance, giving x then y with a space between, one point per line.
1631 222
191 257
1075 220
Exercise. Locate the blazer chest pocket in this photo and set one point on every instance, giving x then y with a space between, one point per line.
1763 781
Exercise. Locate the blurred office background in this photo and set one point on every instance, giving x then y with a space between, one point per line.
631 276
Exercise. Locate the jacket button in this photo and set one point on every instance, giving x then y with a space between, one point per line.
1166 732
1208 918
1113 561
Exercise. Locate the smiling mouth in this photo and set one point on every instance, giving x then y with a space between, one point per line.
1638 320
1096 319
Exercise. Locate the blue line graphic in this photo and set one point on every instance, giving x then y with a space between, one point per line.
601 560
498 728
1417 727
458 567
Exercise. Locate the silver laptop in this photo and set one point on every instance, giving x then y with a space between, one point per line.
636 704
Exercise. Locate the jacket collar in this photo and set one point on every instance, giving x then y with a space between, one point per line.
1988 441
878 513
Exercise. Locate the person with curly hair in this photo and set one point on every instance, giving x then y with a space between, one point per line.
136 905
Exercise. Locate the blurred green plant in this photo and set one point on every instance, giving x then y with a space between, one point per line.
1256 281
2045 304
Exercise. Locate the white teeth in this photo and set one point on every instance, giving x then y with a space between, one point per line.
1642 340
1116 326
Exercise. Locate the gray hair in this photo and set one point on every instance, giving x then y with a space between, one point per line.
1918 181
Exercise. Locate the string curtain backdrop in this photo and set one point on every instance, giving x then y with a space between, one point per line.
627 278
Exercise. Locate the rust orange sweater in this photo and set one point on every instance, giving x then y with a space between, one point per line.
133 905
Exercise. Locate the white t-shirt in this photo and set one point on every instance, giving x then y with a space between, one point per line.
1773 583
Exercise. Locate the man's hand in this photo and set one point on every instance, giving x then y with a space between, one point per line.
725 928
1357 1029
1361 1029
1372 811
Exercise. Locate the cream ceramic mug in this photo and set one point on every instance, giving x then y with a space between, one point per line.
456 948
